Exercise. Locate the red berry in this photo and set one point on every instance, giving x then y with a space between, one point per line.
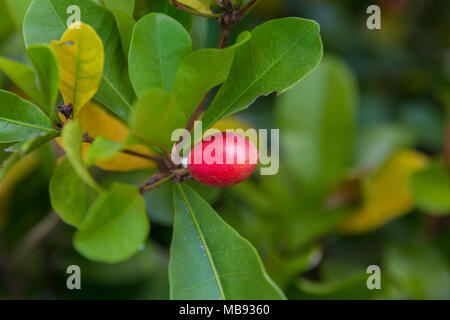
222 160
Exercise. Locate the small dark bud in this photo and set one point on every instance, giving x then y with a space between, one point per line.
66 110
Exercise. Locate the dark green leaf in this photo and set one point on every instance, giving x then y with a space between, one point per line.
158 45
210 260
21 120
116 226
279 54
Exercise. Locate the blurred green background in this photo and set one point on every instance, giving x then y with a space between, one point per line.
364 172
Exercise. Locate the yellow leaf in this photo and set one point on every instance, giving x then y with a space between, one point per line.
386 195
232 122
80 58
203 6
97 122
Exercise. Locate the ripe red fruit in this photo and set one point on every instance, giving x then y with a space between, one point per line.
222 160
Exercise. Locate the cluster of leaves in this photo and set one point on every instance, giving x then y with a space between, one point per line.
146 75
349 164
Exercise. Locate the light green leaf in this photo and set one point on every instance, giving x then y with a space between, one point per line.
21 120
24 77
20 149
158 45
279 54
72 136
318 117
102 149
116 226
48 74
124 6
70 197
201 71
155 117
210 260
46 20
431 188
125 24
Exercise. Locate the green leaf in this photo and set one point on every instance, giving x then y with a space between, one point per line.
70 197
155 117
158 45
201 71
203 6
21 120
20 149
318 117
48 74
124 6
210 260
116 226
431 188
46 21
6 22
125 24
164 6
24 77
17 8
279 54
72 135
102 149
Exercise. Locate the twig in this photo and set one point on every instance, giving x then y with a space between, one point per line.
247 7
34 237
89 139
447 146
197 112
155 181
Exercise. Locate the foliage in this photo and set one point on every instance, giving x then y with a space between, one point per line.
87 110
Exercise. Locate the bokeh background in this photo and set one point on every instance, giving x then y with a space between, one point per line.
364 175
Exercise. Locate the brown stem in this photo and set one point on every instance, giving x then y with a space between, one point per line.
34 237
197 113
89 139
247 7
155 181
447 146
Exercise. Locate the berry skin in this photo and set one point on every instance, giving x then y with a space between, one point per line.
222 160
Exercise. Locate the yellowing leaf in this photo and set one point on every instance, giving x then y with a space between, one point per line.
80 58
387 195
232 122
203 6
97 122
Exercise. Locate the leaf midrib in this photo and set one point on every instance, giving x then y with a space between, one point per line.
203 241
260 77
